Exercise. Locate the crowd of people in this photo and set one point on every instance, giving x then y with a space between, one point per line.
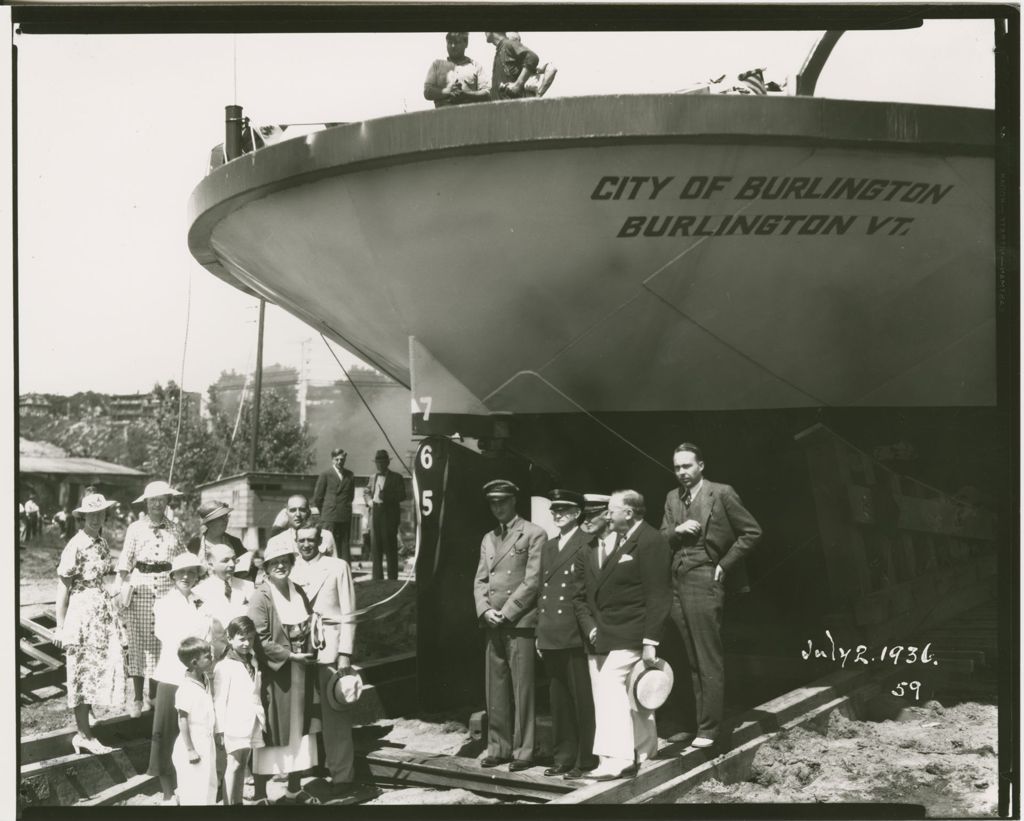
517 72
592 603
247 654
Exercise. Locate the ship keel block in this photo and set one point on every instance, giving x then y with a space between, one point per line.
453 516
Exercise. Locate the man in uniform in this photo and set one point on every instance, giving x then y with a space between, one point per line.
505 591
709 532
560 644
335 489
621 606
299 517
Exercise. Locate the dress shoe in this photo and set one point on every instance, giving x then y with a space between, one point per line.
556 771
492 761
574 773
607 774
702 742
517 766
91 745
684 737
135 709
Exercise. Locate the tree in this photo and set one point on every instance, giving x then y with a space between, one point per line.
199 452
284 446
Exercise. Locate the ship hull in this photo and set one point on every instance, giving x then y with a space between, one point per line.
731 253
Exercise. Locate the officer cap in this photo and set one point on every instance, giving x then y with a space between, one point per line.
594 502
500 489
566 498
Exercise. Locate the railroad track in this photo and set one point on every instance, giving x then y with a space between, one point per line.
52 774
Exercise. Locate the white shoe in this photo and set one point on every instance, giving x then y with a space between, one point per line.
702 743
135 709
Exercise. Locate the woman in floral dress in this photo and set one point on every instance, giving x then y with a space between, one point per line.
88 625
150 545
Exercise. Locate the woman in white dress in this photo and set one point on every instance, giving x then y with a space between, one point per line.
281 613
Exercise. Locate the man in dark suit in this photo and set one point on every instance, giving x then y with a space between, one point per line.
622 605
335 489
709 532
384 496
560 644
505 594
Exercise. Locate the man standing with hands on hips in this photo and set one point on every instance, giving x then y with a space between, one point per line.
709 532
505 593
622 605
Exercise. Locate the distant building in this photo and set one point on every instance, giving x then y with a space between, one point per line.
131 406
32 404
336 415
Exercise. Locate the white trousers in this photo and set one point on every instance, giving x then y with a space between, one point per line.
622 734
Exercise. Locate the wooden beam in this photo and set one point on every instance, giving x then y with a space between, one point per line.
432 769
37 629
39 655
119 792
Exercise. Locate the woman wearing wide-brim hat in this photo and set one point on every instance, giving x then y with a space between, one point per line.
150 545
213 524
281 613
88 625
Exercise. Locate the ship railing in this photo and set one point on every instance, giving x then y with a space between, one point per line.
257 137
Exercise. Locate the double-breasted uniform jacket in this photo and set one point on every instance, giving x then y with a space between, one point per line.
333 496
729 531
628 597
557 627
508 574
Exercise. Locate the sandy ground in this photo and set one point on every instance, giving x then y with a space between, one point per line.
942 758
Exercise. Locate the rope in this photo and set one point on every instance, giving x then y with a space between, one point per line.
356 614
359 393
238 416
181 382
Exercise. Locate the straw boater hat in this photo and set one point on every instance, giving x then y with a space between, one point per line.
93 503
649 686
343 689
185 561
156 489
208 511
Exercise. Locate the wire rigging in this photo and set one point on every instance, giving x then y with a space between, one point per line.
181 381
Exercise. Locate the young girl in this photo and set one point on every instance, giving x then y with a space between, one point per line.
240 714
195 753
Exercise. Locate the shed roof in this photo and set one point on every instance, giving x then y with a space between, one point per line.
74 465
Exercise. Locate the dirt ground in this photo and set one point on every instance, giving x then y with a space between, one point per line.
942 758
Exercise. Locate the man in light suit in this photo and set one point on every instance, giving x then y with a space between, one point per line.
709 532
505 591
335 490
622 604
384 495
327 583
299 517
560 644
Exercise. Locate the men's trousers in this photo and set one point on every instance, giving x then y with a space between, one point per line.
572 708
337 732
342 533
508 674
622 734
384 526
699 618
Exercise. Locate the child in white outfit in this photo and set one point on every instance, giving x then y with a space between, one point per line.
195 753
240 713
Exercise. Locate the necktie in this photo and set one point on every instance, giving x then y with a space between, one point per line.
227 589
504 531
687 499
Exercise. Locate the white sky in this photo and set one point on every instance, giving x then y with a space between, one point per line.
116 131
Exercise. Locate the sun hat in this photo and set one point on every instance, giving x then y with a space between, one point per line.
208 511
277 551
343 689
649 687
94 503
156 489
185 561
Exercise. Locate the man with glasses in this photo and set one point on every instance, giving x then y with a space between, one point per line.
621 605
299 516
560 644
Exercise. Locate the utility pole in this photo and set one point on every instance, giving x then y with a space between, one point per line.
258 388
